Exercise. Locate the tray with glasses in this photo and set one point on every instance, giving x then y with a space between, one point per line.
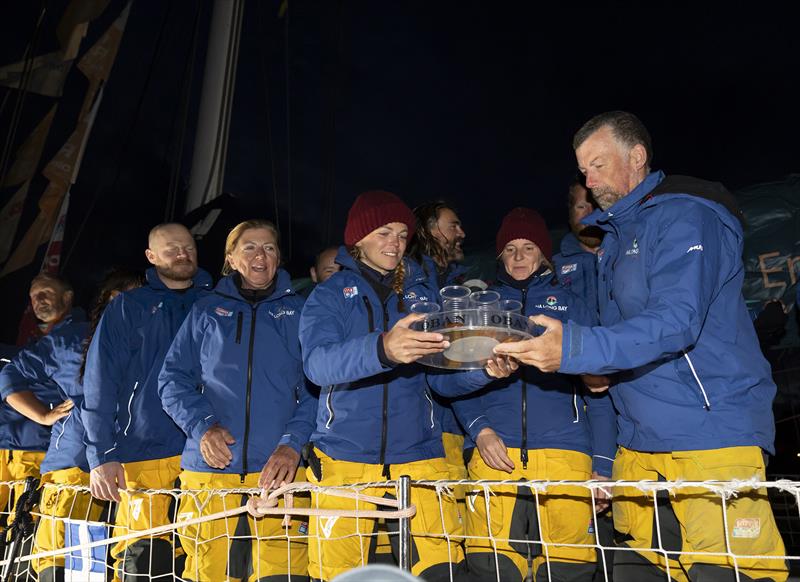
473 323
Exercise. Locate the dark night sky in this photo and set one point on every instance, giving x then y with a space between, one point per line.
475 102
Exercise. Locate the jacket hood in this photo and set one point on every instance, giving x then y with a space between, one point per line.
657 188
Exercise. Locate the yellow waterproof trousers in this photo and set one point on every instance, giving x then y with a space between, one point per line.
516 522
58 504
751 528
5 476
138 511
338 544
275 550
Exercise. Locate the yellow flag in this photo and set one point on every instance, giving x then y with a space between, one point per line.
47 74
9 219
41 229
29 153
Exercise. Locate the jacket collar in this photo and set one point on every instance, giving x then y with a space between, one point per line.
201 280
283 287
628 202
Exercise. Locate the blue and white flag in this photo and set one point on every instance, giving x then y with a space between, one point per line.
85 564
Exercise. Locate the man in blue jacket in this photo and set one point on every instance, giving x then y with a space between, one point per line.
42 384
693 392
131 443
576 264
29 410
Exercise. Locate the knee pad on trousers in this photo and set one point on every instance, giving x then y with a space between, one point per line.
564 572
137 558
715 573
441 572
633 567
482 568
52 574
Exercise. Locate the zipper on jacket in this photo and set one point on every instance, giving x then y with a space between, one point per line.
385 408
253 312
707 404
239 318
523 451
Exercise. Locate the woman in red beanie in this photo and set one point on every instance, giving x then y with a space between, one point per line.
530 426
375 419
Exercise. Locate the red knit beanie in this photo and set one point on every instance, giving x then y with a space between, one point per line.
528 224
375 209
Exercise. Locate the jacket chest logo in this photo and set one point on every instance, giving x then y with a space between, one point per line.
634 250
350 292
572 267
552 303
157 307
223 312
282 312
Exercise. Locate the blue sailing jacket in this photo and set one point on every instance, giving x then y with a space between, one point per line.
453 276
121 411
368 412
49 369
531 409
237 364
576 270
674 323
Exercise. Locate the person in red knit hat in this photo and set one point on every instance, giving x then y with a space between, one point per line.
533 426
375 419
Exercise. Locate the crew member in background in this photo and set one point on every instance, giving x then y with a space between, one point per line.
248 425
576 264
131 443
28 410
56 362
437 248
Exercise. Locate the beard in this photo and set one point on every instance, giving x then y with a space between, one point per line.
178 271
455 253
606 196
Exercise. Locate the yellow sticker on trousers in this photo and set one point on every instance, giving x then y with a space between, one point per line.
747 527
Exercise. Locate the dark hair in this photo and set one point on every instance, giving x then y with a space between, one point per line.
424 243
117 279
318 256
626 127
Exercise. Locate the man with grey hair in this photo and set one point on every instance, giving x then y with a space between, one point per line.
680 356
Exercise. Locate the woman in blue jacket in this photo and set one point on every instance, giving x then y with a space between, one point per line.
375 419
534 426
252 413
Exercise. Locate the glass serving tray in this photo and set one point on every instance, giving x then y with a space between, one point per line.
473 334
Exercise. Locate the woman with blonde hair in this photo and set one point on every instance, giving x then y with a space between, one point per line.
375 421
247 423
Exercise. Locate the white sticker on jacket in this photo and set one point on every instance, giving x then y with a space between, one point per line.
747 527
350 292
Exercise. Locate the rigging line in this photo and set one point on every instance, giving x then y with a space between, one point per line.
231 82
220 116
288 237
27 70
127 141
270 144
183 115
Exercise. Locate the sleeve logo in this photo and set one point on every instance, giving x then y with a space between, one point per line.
694 248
